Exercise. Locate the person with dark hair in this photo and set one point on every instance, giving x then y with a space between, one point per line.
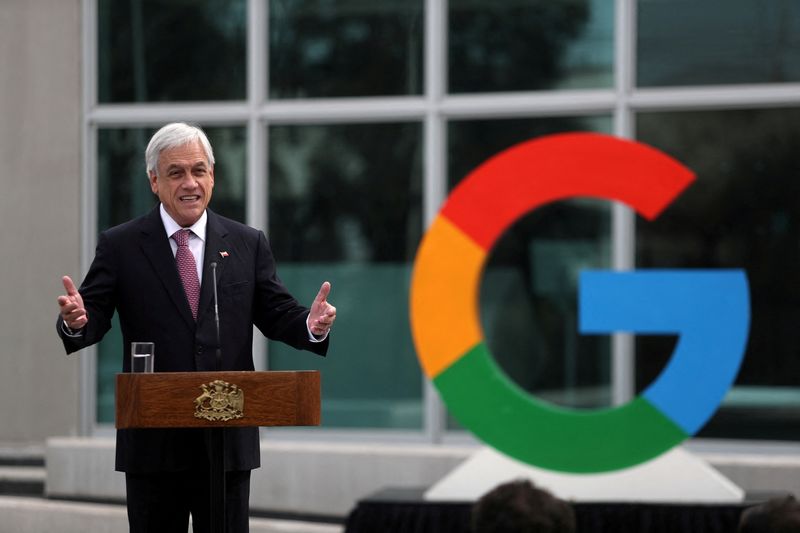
778 515
520 507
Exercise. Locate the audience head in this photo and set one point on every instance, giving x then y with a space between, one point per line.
520 507
778 515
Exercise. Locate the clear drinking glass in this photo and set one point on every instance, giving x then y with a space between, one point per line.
142 356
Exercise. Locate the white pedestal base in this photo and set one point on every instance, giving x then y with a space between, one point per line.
676 476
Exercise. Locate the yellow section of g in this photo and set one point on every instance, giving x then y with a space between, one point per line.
444 296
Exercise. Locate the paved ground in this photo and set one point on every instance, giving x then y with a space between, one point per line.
37 515
23 508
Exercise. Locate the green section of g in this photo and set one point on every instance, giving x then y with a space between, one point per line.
481 397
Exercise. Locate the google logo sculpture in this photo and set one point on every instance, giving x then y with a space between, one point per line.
708 309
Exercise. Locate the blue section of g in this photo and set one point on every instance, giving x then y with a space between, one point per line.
709 310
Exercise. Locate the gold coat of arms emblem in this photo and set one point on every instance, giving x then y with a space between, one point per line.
220 401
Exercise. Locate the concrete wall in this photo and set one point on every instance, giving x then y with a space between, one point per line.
302 478
329 478
40 96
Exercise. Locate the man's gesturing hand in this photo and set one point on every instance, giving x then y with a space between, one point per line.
322 314
71 306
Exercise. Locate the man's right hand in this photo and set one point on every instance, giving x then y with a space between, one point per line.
71 306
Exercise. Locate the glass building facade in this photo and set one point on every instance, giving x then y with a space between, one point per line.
340 126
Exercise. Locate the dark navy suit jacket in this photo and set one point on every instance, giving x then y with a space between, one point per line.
134 273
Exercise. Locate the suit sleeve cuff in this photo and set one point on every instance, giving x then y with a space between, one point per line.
311 336
73 333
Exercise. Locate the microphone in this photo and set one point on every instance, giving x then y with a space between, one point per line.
216 316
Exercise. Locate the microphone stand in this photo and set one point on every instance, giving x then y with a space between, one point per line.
217 459
216 317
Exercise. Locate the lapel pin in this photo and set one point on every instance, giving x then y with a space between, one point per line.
223 254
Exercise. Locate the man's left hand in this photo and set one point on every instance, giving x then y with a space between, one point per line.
322 314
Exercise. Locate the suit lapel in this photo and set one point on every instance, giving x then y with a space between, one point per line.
216 252
155 246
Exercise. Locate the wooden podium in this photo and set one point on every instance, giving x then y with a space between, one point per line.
217 400
196 399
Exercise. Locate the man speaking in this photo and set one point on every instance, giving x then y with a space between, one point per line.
155 272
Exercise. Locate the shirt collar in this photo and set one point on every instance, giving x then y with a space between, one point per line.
198 228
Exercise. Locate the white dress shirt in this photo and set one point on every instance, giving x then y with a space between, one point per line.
197 238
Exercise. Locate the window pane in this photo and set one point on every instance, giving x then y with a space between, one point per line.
529 306
171 50
471 142
691 42
528 294
742 212
123 193
319 48
523 45
345 206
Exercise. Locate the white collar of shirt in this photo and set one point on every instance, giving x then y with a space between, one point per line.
198 228
197 237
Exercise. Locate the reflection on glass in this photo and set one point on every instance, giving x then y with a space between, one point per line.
529 45
123 193
742 212
345 206
352 48
528 295
529 307
686 42
171 50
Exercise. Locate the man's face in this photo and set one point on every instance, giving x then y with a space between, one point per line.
184 182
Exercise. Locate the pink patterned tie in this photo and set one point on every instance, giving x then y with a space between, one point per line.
187 268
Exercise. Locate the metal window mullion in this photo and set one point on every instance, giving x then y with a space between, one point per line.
715 97
87 378
339 110
623 220
533 103
256 91
434 170
255 177
207 113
